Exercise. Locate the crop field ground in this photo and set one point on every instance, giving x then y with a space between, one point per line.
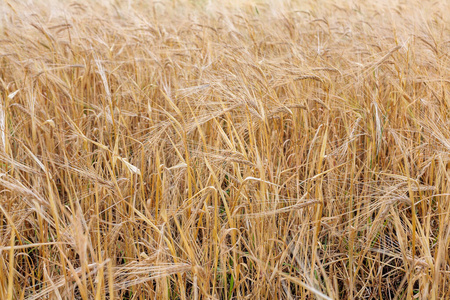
224 149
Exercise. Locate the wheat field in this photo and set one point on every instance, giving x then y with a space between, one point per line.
224 149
